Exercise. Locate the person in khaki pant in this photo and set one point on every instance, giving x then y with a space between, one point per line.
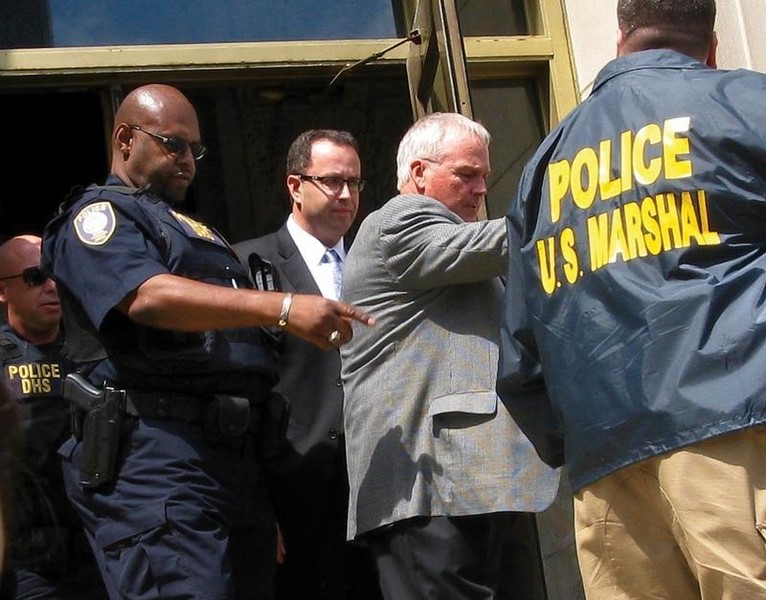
634 339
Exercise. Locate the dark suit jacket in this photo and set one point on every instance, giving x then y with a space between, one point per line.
308 484
310 377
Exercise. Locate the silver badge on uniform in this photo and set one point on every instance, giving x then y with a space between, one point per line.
95 223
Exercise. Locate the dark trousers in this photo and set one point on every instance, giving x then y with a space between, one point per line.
78 584
49 554
491 556
312 509
184 519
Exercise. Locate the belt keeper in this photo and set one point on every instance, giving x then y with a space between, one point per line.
284 314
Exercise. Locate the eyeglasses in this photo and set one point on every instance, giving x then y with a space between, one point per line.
334 185
175 145
31 276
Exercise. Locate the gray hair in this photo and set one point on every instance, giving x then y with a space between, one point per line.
427 139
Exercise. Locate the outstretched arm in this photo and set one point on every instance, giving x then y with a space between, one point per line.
167 301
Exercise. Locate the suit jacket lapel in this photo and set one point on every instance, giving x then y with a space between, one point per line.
293 268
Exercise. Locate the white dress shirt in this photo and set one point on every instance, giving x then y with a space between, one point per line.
313 251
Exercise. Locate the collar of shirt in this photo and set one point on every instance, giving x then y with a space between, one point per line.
312 251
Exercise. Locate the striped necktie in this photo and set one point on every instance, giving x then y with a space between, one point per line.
331 256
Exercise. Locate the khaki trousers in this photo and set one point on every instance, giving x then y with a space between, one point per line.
688 524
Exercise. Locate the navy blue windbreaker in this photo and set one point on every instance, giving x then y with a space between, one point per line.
635 319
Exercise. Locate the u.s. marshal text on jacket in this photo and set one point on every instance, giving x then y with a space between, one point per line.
638 268
425 432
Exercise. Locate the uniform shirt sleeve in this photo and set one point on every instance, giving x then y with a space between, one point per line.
100 274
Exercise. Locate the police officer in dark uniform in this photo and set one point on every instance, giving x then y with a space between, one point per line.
49 555
163 464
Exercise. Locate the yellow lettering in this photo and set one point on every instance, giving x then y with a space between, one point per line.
626 154
598 241
674 145
646 172
711 237
546 260
617 242
667 215
609 188
653 237
689 225
571 264
584 177
13 371
633 230
667 221
558 184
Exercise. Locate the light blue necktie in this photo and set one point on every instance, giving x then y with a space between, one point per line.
331 256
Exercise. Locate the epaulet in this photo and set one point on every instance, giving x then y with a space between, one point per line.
120 189
8 349
79 191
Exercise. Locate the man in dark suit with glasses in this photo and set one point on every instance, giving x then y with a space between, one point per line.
308 482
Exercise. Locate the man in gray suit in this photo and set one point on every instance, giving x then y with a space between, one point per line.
438 469
308 482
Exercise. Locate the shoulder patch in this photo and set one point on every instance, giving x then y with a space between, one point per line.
95 223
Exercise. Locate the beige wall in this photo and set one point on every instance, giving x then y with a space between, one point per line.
740 26
593 31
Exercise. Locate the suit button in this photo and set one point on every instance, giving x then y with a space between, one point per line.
339 382
333 433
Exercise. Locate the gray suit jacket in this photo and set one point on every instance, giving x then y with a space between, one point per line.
425 432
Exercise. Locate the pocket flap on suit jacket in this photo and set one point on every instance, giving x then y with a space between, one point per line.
475 403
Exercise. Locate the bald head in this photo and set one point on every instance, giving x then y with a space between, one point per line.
31 301
682 25
155 101
18 253
140 157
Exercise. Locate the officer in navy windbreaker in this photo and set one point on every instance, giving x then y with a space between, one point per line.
637 278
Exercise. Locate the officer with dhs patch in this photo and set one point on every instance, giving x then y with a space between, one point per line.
174 365
49 555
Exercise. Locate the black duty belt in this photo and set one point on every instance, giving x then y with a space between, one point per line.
176 407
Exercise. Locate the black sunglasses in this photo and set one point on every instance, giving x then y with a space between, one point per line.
175 145
31 276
